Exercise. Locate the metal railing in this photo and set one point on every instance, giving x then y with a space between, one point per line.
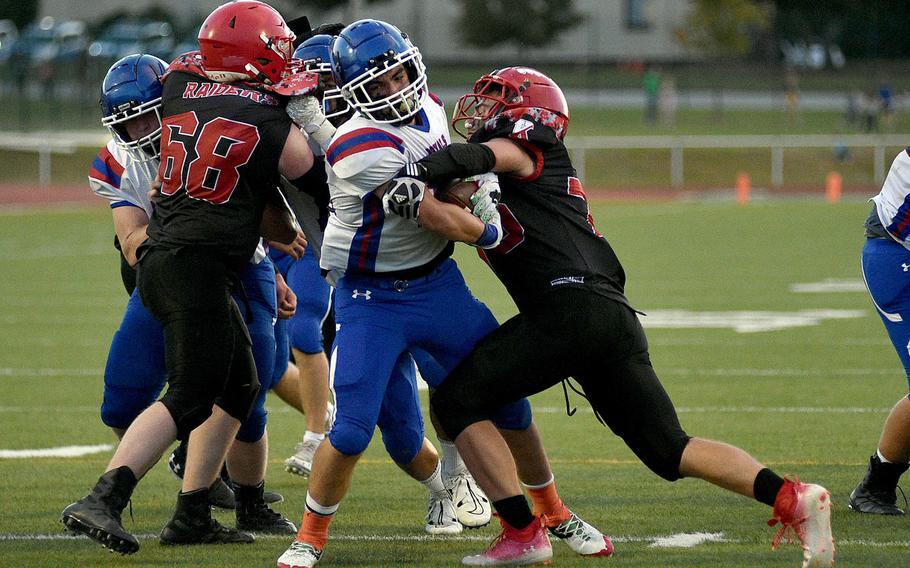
580 145
48 144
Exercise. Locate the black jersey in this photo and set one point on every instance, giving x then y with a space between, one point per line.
549 236
220 146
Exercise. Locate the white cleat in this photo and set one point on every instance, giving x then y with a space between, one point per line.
805 508
471 504
299 555
441 517
582 538
301 463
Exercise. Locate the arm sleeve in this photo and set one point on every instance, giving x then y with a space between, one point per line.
458 161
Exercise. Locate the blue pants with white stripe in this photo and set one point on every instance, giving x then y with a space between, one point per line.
383 326
886 270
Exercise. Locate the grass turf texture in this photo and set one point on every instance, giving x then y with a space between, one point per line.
61 300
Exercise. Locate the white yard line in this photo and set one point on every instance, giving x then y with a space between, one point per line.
59 452
681 540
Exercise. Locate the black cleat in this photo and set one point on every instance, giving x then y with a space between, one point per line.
876 493
97 515
192 523
221 495
253 514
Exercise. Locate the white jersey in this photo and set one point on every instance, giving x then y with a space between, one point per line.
893 201
363 155
125 182
120 179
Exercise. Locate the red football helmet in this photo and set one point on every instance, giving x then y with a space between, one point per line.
513 92
245 40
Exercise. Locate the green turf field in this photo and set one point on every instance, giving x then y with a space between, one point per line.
807 400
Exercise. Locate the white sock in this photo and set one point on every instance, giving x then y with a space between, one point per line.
315 507
542 485
881 457
434 482
313 436
452 463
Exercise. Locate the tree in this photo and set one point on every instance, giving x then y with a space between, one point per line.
725 27
21 12
534 23
324 5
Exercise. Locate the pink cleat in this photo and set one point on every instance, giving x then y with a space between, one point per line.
516 547
805 509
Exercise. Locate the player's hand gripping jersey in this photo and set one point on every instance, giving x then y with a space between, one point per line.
123 181
550 240
220 146
362 156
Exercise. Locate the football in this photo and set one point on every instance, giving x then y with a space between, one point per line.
458 193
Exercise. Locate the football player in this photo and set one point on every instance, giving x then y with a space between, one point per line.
135 372
574 321
471 505
311 389
399 295
225 138
886 259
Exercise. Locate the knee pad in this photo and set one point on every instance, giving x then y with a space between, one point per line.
187 414
513 416
350 439
305 332
451 412
664 458
121 405
252 429
402 440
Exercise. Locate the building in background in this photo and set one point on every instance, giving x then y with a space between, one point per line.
611 30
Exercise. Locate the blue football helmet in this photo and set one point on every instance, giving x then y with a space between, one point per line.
132 88
316 55
366 50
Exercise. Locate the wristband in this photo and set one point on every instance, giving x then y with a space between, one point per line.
489 236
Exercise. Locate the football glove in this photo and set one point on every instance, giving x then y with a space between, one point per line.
403 197
306 111
485 200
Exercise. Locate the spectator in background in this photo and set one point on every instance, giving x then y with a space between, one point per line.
668 102
791 96
869 109
650 84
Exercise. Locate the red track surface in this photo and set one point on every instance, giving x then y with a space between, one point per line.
55 195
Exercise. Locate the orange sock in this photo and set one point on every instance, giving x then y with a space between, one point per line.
314 529
546 502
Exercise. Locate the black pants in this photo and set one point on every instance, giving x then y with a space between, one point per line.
208 352
571 333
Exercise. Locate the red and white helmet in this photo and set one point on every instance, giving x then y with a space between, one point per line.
245 40
512 92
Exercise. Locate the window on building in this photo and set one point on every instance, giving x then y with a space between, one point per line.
637 15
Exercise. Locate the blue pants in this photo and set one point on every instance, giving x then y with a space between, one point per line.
313 293
135 373
886 270
383 325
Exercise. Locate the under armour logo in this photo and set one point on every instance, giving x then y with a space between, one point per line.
358 294
905 266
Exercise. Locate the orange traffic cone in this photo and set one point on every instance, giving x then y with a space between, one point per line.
743 187
833 187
